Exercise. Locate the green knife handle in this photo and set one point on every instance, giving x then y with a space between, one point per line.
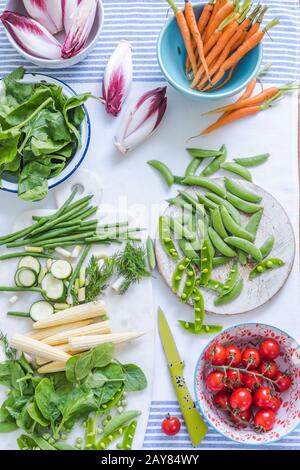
195 425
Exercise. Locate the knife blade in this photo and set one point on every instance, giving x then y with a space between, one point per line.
196 427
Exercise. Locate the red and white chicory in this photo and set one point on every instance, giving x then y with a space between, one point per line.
68 9
47 12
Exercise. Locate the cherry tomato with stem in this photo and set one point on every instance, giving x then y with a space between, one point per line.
233 356
264 420
250 358
241 399
268 369
216 355
171 425
252 382
240 418
221 400
269 349
215 381
276 403
233 379
262 397
283 381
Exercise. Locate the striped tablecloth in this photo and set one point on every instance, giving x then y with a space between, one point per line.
140 21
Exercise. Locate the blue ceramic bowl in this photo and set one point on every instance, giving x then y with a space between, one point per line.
171 57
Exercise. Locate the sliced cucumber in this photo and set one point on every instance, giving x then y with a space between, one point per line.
41 310
26 277
61 269
41 275
54 288
49 263
31 263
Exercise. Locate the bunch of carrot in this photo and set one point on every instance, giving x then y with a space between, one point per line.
215 43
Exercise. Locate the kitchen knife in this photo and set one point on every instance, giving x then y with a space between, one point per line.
195 425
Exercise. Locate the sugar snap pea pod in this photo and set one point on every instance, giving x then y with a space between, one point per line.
232 295
231 280
241 192
219 244
252 161
216 286
242 257
205 329
105 442
179 229
193 167
199 309
188 198
267 264
151 254
237 169
203 153
128 436
119 420
215 165
206 202
217 223
207 236
223 202
166 241
164 171
241 205
207 183
189 252
233 227
106 407
180 202
254 221
246 246
179 179
206 263
198 242
220 261
178 274
267 247
189 284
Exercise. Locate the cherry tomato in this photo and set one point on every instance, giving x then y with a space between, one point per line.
252 381
241 399
275 403
221 400
233 379
233 356
244 415
216 355
262 397
250 358
283 381
264 420
171 425
269 349
268 369
215 381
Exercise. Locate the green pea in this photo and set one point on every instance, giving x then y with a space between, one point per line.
163 170
232 295
188 250
241 192
178 274
245 246
128 436
241 205
206 266
165 239
118 421
216 286
231 279
189 286
265 265
198 308
204 330
237 169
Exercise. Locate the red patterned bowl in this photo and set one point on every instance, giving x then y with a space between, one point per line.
288 416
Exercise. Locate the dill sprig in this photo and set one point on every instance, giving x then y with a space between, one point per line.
10 353
97 278
131 265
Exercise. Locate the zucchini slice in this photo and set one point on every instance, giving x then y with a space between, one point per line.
31 263
54 288
26 277
41 310
61 269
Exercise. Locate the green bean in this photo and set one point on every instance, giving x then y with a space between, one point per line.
46 236
231 280
188 251
237 169
192 167
203 153
232 295
21 289
223 202
166 241
267 247
241 192
214 285
207 183
164 171
66 204
253 161
206 263
217 223
151 254
219 244
245 246
179 229
234 228
220 261
188 198
254 221
105 442
21 254
77 269
86 212
189 285
205 329
58 240
178 274
215 165
271 263
199 309
206 202
119 420
128 436
19 314
244 206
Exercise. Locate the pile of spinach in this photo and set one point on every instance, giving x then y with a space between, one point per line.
39 132
54 403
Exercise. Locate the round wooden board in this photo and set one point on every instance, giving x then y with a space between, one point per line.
261 289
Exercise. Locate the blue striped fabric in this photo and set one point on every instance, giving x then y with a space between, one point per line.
140 21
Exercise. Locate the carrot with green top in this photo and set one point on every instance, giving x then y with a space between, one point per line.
224 26
217 20
256 23
192 24
240 114
218 5
248 23
247 46
186 35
